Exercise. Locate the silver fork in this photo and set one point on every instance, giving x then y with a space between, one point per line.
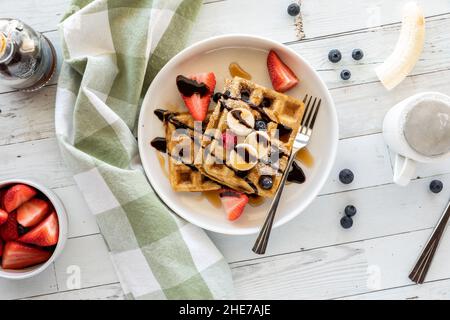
301 140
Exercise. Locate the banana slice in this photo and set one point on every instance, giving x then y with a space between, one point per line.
243 157
259 140
407 50
241 121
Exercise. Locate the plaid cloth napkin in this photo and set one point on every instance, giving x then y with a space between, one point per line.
112 51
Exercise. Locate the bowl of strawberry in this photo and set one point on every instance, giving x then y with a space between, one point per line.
33 228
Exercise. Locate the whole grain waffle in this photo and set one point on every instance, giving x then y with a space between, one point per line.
282 114
183 174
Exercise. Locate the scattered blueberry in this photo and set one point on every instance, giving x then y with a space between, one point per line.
436 186
345 74
334 55
266 182
346 176
260 125
346 222
357 54
293 9
350 211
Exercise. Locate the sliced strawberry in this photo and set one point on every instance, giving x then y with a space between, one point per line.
32 212
195 96
282 77
229 140
233 202
19 256
44 234
9 230
2 194
3 216
16 196
1 248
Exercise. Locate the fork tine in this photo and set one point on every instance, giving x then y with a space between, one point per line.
311 125
307 110
310 113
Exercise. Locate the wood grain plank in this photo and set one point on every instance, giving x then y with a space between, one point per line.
361 108
38 160
27 116
433 290
103 292
40 15
332 272
43 283
87 257
382 210
377 44
321 17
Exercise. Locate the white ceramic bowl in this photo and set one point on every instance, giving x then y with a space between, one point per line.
214 55
63 225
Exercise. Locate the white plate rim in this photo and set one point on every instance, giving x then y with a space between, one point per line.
320 182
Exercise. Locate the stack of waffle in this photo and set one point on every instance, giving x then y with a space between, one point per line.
208 165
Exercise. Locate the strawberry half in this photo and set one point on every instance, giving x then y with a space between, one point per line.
16 196
3 216
2 194
9 230
1 248
19 256
44 234
282 77
196 91
32 212
233 202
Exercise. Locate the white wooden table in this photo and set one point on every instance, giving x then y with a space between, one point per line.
312 257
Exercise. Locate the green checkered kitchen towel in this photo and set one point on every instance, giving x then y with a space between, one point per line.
112 51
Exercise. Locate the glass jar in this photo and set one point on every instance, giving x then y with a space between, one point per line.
27 58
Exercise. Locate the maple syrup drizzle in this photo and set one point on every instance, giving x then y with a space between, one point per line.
256 201
212 197
305 157
162 163
237 71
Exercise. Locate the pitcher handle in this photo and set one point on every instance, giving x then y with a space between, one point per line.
404 170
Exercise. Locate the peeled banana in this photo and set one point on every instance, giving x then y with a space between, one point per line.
407 50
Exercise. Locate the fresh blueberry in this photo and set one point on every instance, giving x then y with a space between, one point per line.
293 9
260 125
346 176
346 222
357 54
345 74
334 55
350 211
436 186
266 182
245 95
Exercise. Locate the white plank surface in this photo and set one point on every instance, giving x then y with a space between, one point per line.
311 257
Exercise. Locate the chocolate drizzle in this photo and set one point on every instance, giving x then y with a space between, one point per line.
159 144
296 174
161 114
188 87
237 114
261 139
229 193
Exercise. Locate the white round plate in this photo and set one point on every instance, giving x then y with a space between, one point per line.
215 54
